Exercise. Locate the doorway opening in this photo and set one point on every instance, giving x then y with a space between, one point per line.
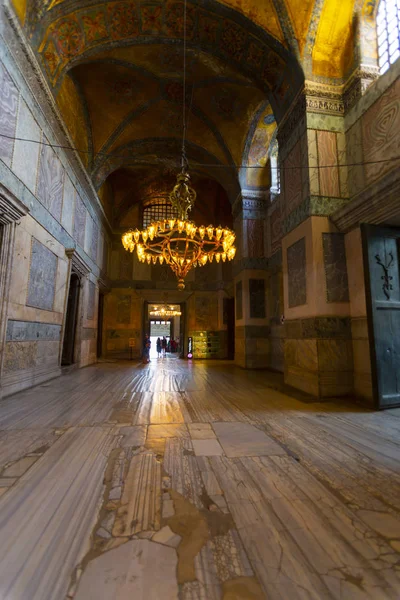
161 327
71 321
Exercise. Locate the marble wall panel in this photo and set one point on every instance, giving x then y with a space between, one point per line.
50 183
26 155
275 296
19 355
327 153
94 242
380 130
342 158
356 174
8 115
255 238
68 205
293 179
79 221
91 300
313 161
124 304
126 265
24 331
275 229
239 300
205 313
88 233
257 298
337 286
296 268
42 277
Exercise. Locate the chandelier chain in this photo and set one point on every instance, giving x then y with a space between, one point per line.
184 159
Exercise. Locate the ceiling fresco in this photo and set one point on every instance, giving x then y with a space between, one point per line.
115 70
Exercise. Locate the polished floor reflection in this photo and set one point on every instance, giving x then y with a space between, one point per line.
195 481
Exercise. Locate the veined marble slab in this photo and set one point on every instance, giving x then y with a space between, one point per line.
141 499
242 439
137 570
47 517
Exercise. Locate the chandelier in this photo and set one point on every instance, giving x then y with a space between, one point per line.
165 311
179 242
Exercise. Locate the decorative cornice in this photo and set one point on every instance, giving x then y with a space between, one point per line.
11 209
323 99
357 84
377 204
79 265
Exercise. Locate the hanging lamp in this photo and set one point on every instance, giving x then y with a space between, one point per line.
179 242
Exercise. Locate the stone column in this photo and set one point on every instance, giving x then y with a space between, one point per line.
312 143
250 277
11 210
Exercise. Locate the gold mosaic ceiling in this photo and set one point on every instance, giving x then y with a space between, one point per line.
115 69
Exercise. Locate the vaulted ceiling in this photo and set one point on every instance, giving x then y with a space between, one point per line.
115 69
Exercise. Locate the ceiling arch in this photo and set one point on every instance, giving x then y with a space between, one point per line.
65 37
164 153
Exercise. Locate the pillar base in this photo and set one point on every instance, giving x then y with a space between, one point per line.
252 347
319 357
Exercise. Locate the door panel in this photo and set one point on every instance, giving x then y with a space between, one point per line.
381 257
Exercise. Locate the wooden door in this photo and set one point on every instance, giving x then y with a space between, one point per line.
381 264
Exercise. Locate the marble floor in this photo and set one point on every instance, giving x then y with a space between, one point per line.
195 481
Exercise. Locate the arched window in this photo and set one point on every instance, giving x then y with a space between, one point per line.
388 30
157 209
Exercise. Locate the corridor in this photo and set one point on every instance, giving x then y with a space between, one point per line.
195 481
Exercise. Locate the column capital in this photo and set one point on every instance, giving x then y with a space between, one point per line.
11 209
251 203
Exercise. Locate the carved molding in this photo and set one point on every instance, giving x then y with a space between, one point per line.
11 209
357 85
79 266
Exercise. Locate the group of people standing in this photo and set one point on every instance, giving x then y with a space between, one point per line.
161 347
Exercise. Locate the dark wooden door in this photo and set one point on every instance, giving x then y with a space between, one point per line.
70 321
381 263
100 326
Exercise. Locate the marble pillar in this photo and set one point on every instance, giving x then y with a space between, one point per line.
317 345
251 277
